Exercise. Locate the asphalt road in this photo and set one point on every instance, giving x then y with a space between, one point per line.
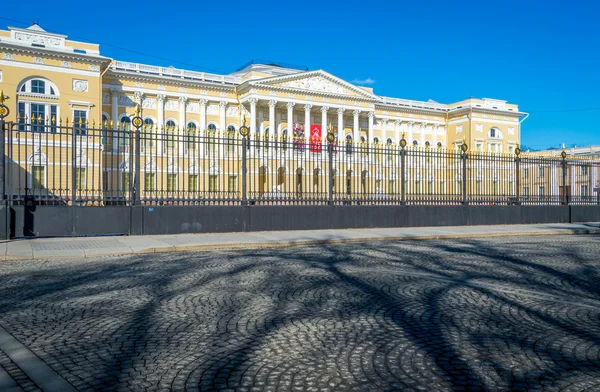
509 313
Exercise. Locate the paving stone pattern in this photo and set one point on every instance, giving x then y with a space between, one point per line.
500 314
19 377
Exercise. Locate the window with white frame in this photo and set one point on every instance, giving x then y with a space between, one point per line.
584 170
584 190
35 106
80 121
542 191
541 171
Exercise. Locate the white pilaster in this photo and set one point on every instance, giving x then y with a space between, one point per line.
115 120
290 120
411 125
384 125
222 128
397 131
160 111
307 109
434 138
203 103
422 130
182 124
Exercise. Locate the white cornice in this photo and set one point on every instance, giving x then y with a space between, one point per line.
57 53
177 95
170 79
51 68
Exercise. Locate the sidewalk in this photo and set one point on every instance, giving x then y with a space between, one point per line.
47 248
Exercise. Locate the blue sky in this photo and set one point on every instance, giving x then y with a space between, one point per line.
542 55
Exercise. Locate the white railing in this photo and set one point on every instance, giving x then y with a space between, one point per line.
413 104
174 72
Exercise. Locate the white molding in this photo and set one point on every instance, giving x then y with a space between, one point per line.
51 68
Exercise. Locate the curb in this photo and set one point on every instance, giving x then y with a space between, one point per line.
262 245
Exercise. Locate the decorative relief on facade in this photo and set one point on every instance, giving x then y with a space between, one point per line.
172 104
94 67
479 127
222 94
39 39
66 64
125 100
233 111
192 107
137 97
8 56
105 98
459 128
182 90
161 87
38 60
149 103
511 131
212 109
203 92
80 85
316 83
138 84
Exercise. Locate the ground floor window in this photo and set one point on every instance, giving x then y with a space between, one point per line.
193 182
232 185
80 178
149 181
212 182
171 182
125 181
38 177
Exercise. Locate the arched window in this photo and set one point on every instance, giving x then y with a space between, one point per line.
170 135
230 150
439 145
124 134
35 112
493 132
299 182
316 179
364 148
191 132
211 138
284 139
147 137
349 144
427 144
415 143
389 150
104 127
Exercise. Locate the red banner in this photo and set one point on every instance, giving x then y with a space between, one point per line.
315 138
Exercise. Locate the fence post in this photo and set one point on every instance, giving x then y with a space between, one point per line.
330 155
464 149
563 155
244 170
5 218
137 123
517 175
402 171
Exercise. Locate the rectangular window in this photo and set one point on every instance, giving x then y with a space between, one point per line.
125 182
525 192
80 178
79 119
149 181
38 86
212 183
479 147
171 182
38 116
105 180
232 185
391 187
38 177
584 170
541 192
511 150
492 148
22 114
193 182
495 189
584 190
430 188
541 171
526 173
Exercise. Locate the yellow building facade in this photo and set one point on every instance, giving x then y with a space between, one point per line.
50 80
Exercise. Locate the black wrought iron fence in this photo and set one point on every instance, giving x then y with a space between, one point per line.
121 164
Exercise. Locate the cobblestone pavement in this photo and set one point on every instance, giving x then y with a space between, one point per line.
509 313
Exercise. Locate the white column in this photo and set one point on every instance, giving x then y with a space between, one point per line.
422 129
272 125
182 103
397 131
384 125
203 103
554 182
356 131
370 136
160 110
411 125
252 133
307 108
340 113
434 138
324 110
223 128
115 120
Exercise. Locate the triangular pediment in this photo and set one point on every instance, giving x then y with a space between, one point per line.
319 82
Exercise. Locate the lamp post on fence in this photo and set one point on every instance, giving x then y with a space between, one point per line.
330 140
402 173
464 148
4 229
244 131
137 123
517 174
